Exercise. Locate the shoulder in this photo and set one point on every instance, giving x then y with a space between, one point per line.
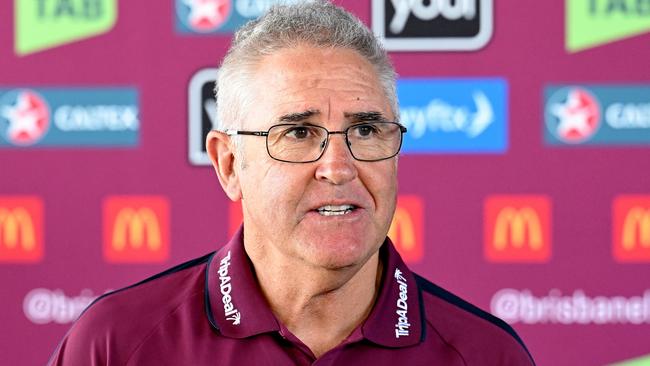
116 323
478 336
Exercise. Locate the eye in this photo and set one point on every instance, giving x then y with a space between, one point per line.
298 132
365 130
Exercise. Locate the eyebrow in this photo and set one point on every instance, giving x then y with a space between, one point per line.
371 116
366 117
298 116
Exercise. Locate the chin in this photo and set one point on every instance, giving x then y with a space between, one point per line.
341 255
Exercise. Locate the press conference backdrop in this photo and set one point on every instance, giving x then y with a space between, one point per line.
524 178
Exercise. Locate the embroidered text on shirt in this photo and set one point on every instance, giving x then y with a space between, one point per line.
231 313
402 326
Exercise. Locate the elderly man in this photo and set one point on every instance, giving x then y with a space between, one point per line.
308 142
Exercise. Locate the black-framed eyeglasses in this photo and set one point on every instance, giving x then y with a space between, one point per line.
306 143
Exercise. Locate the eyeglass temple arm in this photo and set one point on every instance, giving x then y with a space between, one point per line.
253 133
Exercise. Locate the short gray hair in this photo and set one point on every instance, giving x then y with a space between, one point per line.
315 23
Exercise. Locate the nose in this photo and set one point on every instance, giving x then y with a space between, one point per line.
336 166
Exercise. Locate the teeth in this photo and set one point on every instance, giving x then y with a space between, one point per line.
334 210
334 213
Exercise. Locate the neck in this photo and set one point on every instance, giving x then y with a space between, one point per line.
319 306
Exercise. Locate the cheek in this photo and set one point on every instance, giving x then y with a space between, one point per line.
381 182
276 188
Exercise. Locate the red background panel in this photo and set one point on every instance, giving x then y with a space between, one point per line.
21 229
407 230
631 219
518 228
136 229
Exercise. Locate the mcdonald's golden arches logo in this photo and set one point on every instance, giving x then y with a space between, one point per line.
136 229
406 229
21 229
631 228
517 228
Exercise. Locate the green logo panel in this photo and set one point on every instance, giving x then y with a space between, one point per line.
642 361
43 24
591 23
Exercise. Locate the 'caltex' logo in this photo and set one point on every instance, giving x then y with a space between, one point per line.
573 115
21 229
219 16
66 117
517 228
24 117
136 229
631 231
607 115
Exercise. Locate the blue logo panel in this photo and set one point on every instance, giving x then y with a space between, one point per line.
597 115
218 16
454 115
90 117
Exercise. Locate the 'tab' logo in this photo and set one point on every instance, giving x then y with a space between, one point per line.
573 115
454 115
43 24
436 25
595 22
136 229
24 117
219 16
517 228
637 361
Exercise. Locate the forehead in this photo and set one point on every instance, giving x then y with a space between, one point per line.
334 82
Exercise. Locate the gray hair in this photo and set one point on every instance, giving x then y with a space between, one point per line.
315 23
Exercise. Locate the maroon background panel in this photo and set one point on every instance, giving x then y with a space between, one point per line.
144 51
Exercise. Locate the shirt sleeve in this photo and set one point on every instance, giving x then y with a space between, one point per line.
96 338
81 347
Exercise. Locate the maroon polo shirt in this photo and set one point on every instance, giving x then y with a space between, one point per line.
210 311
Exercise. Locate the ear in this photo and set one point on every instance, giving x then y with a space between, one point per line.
222 155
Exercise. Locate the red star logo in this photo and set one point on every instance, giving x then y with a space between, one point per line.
207 15
28 119
579 116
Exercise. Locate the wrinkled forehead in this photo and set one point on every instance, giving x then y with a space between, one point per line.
325 85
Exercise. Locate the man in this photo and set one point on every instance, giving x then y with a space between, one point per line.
308 142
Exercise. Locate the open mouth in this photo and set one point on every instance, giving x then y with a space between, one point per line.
336 210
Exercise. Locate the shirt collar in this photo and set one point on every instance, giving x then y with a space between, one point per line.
236 307
397 318
233 300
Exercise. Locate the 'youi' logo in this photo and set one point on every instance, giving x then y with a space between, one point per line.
231 312
402 325
440 25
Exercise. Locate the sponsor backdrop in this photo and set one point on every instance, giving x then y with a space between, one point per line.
524 180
